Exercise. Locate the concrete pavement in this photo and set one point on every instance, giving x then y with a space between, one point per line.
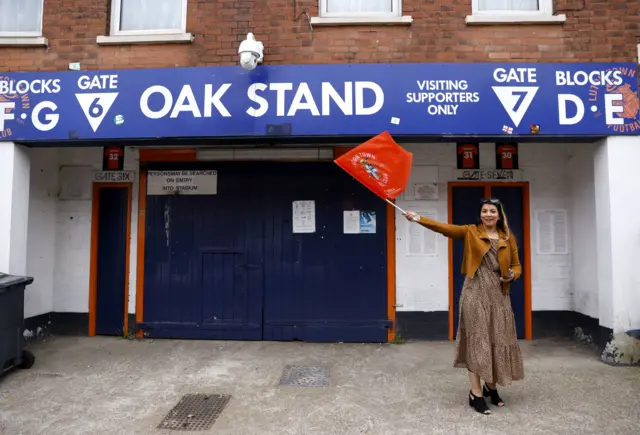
109 386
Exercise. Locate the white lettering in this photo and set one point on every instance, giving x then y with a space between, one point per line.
6 115
329 93
447 109
211 99
253 96
280 89
103 81
309 104
610 108
144 102
518 75
35 87
379 100
50 118
186 102
562 109
595 78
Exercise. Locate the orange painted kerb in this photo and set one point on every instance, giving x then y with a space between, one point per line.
526 247
93 258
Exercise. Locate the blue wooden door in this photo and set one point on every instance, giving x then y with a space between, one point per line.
228 266
466 206
112 253
512 199
325 286
203 262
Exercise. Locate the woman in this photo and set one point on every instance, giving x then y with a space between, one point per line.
486 342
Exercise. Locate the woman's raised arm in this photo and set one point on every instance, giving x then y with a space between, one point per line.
447 230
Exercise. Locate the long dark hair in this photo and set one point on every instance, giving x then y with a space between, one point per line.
502 223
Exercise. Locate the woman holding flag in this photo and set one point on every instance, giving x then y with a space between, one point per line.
486 342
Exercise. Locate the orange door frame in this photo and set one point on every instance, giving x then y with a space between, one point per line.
93 262
526 247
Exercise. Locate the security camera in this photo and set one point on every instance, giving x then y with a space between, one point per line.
251 52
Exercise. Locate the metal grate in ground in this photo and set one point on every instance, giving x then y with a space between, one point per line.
305 376
195 412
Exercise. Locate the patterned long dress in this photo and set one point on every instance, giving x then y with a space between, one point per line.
486 342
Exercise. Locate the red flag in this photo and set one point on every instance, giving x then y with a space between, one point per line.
380 164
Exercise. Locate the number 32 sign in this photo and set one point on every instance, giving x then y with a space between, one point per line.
113 158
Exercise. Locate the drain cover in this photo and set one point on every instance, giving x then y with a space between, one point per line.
305 376
195 412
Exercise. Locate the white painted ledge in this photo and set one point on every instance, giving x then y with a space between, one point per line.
482 19
38 41
381 21
179 38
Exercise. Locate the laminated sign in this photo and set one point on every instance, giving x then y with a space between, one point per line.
380 164
182 182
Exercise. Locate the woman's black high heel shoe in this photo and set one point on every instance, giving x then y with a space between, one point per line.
495 398
478 403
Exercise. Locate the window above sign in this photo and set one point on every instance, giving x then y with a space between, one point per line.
147 21
513 12
21 23
352 12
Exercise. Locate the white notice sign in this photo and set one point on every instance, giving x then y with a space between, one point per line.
351 223
552 232
182 183
421 242
304 216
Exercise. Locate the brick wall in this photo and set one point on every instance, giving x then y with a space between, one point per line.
595 30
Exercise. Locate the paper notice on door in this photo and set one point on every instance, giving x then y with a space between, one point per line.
304 216
421 242
367 222
351 222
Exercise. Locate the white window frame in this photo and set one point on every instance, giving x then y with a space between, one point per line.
546 10
396 11
28 34
116 10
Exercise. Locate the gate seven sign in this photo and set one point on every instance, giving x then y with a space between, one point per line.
506 155
113 158
468 156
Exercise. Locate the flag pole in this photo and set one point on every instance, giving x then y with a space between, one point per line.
401 210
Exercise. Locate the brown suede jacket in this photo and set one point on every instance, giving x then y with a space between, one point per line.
476 245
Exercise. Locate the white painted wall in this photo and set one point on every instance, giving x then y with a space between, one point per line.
42 231
583 218
60 238
617 183
14 212
422 282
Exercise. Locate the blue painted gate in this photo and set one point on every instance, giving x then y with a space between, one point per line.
228 266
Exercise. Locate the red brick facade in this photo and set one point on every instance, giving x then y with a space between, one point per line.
595 31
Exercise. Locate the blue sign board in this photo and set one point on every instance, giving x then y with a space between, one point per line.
322 100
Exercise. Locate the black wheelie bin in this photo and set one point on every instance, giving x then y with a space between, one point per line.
12 353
